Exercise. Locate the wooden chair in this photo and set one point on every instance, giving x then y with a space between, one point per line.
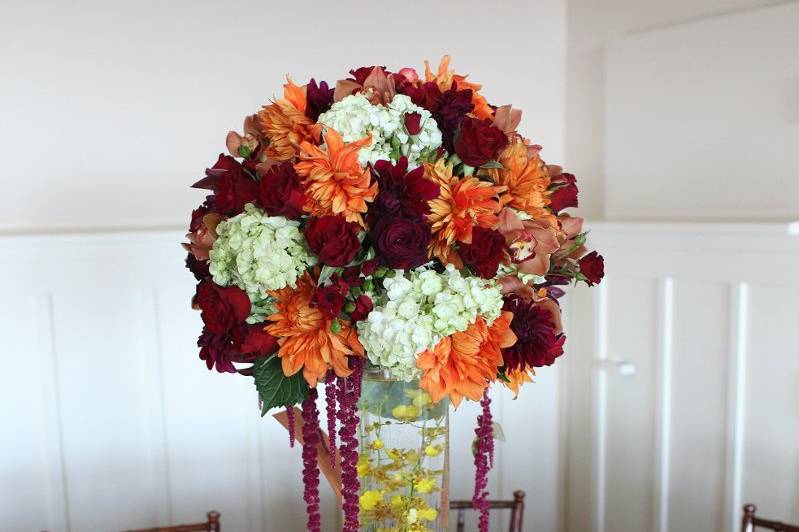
516 507
750 523
212 525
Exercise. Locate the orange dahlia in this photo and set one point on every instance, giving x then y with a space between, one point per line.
335 183
526 179
461 205
464 363
285 125
444 78
518 377
305 335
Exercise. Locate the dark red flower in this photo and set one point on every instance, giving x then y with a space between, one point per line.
257 342
538 343
197 217
564 193
232 186
485 252
479 141
448 108
352 274
400 242
363 306
222 308
320 98
329 299
413 123
198 268
361 73
216 350
333 239
400 193
281 193
592 266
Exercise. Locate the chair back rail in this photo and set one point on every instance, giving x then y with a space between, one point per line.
751 523
516 507
211 525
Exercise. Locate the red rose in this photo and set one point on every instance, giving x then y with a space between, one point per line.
281 191
329 299
479 141
363 306
592 266
400 242
257 342
485 252
413 123
333 239
222 308
233 187
565 195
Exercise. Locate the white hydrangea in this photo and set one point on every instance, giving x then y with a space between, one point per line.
355 117
419 308
257 252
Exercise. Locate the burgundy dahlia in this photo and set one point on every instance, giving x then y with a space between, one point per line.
537 341
281 193
479 141
401 243
333 239
485 252
401 193
320 98
448 108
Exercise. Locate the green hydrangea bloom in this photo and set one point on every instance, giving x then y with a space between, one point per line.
257 252
419 308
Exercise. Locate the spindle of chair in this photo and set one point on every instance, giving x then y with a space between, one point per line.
750 522
516 507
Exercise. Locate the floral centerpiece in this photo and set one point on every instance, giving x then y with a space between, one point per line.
393 225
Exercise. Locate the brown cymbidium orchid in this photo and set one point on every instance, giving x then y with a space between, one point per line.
201 239
378 87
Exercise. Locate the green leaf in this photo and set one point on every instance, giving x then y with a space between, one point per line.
326 273
499 434
274 388
492 164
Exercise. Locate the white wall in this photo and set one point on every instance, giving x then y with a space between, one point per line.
708 420
111 109
596 26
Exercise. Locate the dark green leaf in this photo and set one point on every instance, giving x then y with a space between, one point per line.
274 388
492 164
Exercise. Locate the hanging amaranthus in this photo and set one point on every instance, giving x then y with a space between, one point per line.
330 407
348 395
310 469
483 461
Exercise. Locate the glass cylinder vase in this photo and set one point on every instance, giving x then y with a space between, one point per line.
403 465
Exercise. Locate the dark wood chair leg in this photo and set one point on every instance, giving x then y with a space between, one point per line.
213 522
517 512
747 523
461 527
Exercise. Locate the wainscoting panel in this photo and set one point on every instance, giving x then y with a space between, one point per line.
684 392
111 421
